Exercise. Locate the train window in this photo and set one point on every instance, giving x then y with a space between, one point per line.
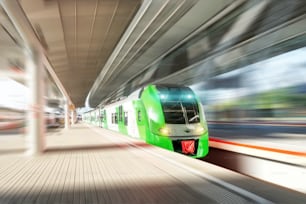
116 118
179 105
125 118
113 118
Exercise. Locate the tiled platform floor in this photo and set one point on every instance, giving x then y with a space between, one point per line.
91 165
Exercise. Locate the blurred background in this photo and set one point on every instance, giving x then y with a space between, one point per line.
270 90
249 66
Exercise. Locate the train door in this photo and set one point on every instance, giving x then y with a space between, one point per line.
131 122
141 121
104 119
112 118
121 123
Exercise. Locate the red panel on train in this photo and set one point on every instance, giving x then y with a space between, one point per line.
188 147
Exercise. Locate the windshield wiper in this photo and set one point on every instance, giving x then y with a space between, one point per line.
194 117
184 113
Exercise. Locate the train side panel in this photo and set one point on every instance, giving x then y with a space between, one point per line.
112 118
122 117
130 119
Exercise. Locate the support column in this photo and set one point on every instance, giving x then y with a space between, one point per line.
35 117
72 117
67 114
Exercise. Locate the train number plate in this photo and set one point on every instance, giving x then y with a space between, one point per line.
188 146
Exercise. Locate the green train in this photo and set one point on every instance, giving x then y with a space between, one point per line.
168 116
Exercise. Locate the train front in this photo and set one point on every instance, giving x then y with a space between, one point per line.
176 119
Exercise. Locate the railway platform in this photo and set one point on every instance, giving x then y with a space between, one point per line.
87 164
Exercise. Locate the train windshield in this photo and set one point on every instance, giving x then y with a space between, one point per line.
179 105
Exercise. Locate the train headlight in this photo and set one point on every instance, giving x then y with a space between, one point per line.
199 130
164 131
